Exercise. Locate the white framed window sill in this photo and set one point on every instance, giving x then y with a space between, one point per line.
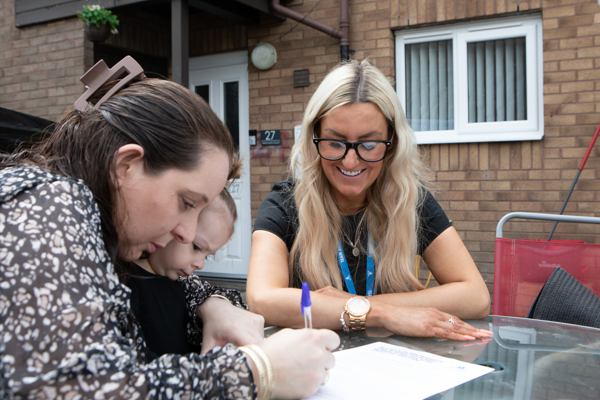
448 137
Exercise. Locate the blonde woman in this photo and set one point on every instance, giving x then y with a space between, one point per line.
353 219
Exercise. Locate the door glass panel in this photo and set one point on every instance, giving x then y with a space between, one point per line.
232 110
202 91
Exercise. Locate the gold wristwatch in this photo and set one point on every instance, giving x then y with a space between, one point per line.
357 309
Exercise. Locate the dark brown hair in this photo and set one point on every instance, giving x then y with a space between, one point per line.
173 125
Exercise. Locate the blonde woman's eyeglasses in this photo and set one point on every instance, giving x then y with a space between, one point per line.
368 150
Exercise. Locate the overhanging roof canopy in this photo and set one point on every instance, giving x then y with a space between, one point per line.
29 12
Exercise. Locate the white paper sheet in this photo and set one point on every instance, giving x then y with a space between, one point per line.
384 371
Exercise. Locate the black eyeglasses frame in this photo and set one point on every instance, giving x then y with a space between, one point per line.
352 145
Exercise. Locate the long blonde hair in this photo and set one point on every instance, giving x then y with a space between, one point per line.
391 212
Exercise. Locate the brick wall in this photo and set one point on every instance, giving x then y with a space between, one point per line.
40 66
478 183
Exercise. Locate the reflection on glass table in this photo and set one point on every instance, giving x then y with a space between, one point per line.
533 359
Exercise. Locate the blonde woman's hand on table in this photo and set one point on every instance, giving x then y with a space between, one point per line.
424 322
414 321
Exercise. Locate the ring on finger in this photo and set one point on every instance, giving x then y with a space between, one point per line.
450 321
326 377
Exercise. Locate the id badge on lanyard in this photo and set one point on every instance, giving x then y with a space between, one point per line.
346 270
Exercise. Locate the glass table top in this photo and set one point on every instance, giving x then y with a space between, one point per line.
532 359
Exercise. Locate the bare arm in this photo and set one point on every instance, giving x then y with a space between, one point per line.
462 291
268 294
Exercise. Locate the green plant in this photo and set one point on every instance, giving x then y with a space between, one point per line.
96 15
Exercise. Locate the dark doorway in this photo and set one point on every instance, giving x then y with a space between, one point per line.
154 67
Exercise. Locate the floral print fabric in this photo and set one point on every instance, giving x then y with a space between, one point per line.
196 291
64 315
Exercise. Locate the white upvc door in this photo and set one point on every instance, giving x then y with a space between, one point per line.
222 80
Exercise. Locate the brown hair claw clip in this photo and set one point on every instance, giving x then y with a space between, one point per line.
99 74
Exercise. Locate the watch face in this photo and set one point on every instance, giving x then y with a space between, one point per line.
358 306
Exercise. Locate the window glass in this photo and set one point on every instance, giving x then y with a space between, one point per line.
497 80
430 86
232 110
202 91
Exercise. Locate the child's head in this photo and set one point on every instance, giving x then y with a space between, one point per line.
215 228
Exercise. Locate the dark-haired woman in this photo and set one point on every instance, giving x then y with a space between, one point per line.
119 178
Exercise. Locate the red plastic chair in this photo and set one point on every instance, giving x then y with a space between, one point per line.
522 266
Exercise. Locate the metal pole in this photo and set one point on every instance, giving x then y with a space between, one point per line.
303 19
345 27
343 33
180 42
587 153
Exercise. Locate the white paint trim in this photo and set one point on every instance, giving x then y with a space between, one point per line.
215 70
529 26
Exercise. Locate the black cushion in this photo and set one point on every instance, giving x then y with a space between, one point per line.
564 299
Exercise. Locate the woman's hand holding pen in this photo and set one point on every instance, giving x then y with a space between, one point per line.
300 358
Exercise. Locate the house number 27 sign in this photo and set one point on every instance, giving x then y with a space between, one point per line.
270 138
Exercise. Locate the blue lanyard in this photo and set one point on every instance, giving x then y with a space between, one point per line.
346 270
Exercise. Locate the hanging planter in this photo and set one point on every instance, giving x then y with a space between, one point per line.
97 34
99 23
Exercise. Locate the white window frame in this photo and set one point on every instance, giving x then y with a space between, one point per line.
529 26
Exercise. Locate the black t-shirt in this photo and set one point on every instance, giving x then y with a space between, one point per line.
278 214
160 307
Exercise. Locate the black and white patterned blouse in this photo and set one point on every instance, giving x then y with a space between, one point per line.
63 313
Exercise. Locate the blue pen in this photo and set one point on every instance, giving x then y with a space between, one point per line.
305 304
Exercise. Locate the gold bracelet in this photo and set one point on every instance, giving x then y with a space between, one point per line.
218 296
261 383
343 322
269 367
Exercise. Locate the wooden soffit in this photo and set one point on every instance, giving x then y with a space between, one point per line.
29 12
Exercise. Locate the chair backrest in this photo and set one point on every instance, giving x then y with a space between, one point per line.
522 266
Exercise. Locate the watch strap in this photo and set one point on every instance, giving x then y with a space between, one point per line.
358 323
